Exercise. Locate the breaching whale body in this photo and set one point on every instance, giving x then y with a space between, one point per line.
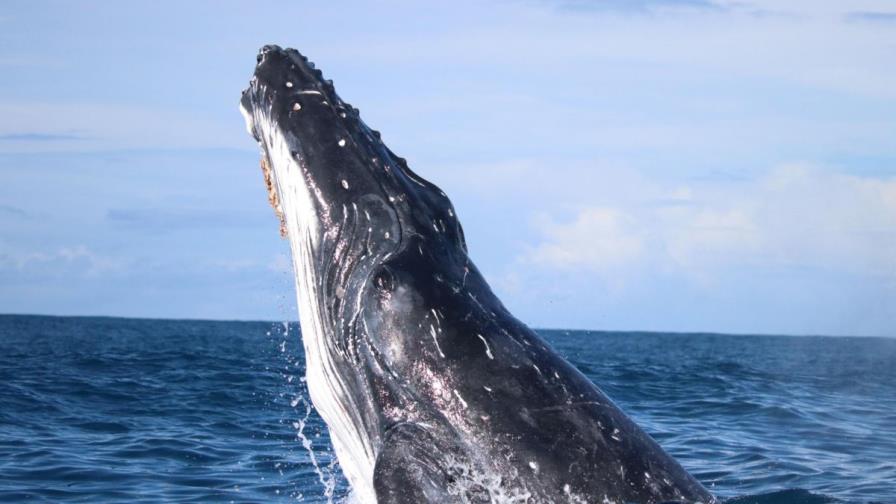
432 391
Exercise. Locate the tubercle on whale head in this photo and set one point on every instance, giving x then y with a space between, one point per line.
307 133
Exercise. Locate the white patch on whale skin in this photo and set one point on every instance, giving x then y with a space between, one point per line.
326 387
488 351
435 338
461 399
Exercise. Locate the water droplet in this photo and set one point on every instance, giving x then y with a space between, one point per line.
296 107
342 142
288 84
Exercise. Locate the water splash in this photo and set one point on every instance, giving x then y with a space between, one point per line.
325 474
321 457
473 484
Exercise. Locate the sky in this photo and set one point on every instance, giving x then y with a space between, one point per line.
690 165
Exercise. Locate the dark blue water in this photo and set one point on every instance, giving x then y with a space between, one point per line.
99 409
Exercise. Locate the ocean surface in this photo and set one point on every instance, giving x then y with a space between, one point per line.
122 410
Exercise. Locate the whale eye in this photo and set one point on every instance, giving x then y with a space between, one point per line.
384 280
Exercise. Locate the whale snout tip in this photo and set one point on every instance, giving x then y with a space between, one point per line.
271 55
276 58
267 49
281 75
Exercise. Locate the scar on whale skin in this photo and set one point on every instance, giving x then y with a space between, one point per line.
273 198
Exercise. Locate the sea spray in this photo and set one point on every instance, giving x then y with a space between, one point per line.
321 457
325 474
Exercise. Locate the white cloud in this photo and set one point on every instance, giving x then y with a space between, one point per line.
597 239
795 216
828 220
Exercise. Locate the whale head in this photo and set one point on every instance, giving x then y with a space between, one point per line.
316 146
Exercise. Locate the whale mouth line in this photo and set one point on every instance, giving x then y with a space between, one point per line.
273 196
265 163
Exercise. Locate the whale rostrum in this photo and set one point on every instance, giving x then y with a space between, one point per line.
431 389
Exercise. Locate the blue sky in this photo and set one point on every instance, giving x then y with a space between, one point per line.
662 165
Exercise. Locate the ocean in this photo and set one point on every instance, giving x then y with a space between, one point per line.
132 410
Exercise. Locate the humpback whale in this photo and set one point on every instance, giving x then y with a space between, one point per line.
431 389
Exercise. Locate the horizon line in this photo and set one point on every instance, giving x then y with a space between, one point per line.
537 329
